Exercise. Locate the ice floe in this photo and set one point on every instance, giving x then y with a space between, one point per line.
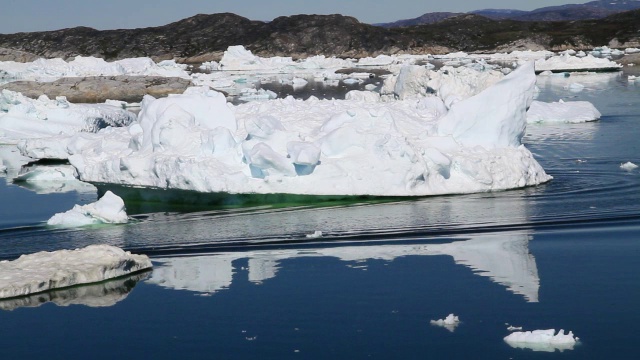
102 294
542 340
561 111
44 271
109 209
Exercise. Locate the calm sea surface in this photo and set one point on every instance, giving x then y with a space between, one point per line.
240 282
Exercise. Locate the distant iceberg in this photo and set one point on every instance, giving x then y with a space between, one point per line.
561 111
43 271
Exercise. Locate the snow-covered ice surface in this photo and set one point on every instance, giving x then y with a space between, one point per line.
109 209
45 271
561 111
53 69
24 118
319 147
542 340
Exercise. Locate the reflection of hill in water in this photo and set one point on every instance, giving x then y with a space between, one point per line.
504 259
96 295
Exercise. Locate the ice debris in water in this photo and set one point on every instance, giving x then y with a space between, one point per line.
108 210
450 322
45 271
316 234
628 166
542 340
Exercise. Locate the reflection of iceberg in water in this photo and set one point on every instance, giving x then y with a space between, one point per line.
95 295
205 274
504 258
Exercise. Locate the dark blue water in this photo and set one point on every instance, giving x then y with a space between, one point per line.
241 282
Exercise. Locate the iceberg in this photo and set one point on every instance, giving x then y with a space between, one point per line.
109 209
197 141
44 271
542 340
561 111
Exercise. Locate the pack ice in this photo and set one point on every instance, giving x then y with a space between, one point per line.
44 271
359 146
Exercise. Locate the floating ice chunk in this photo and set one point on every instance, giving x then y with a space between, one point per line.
514 328
45 271
248 94
48 173
102 294
316 234
107 210
629 166
568 112
631 50
450 322
358 95
542 340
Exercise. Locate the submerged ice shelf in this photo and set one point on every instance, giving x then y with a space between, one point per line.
43 271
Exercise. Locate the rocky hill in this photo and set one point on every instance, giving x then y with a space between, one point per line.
591 10
205 37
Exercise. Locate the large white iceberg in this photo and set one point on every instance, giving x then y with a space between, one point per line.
196 141
561 111
109 209
45 271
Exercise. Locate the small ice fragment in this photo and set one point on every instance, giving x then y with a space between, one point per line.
316 234
450 322
108 210
628 166
514 328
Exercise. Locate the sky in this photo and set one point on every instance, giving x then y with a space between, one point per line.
42 15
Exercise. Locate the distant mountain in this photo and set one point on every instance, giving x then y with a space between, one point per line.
591 10
205 37
428 18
